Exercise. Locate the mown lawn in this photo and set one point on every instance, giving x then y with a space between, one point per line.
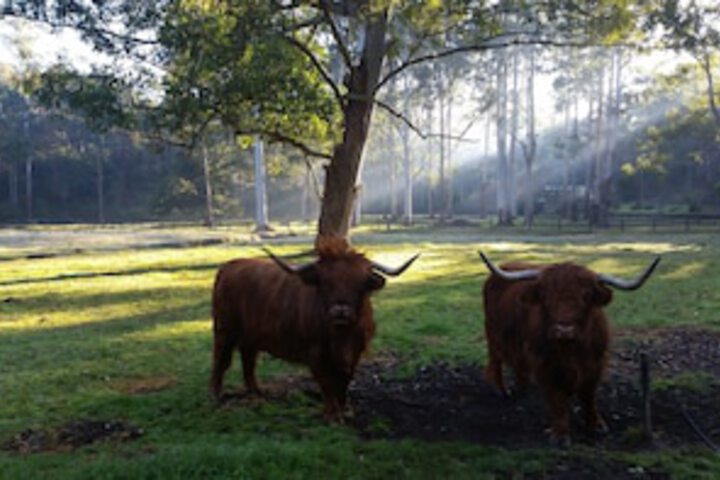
125 335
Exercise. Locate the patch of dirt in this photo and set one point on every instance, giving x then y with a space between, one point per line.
71 435
453 402
140 386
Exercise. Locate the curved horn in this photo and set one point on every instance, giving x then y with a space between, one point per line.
633 284
285 266
510 275
394 272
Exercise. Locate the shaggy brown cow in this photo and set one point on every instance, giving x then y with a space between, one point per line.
546 322
318 314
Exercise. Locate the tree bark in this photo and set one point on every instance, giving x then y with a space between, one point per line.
29 214
209 210
531 143
99 161
714 110
407 170
502 191
340 192
261 214
514 122
443 190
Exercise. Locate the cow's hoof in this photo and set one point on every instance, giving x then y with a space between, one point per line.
518 391
599 428
217 401
560 441
334 418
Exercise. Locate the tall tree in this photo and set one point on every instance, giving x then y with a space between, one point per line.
273 58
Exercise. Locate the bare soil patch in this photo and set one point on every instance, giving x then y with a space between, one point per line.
453 402
71 435
144 385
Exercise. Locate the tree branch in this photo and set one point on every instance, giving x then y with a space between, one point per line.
316 181
275 136
402 118
318 66
342 48
490 44
419 132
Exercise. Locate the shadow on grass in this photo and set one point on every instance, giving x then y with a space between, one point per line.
114 273
47 304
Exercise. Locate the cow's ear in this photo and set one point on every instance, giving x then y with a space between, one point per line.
310 275
375 281
531 294
602 295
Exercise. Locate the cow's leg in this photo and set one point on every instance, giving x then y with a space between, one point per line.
249 360
223 347
586 395
329 387
493 370
559 403
342 381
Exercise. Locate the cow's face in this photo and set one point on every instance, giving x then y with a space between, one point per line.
566 295
343 285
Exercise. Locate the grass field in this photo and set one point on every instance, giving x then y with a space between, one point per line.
124 335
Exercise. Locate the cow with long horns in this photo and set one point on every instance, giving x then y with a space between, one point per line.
547 323
317 314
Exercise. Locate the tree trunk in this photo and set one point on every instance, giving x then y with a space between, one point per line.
514 122
13 184
340 192
429 162
531 144
99 160
449 207
29 190
209 210
29 215
443 190
714 109
501 134
261 214
393 211
407 170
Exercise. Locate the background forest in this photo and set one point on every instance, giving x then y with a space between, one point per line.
582 132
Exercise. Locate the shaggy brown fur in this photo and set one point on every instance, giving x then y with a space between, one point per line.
321 317
552 331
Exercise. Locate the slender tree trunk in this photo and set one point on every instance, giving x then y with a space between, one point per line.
393 180
13 184
429 162
29 215
100 174
449 207
514 122
705 63
484 167
339 193
305 201
531 143
501 134
443 188
261 210
29 190
407 170
209 210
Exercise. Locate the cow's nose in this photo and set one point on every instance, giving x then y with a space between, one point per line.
341 312
564 331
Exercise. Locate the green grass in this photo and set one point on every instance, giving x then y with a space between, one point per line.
78 332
